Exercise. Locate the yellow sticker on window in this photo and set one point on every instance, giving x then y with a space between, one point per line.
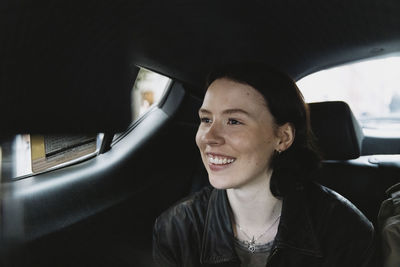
37 147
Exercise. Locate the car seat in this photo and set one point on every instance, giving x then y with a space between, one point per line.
389 227
344 168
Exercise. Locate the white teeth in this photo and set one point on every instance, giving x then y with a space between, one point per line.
219 161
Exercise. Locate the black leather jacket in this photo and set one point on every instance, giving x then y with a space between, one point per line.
318 227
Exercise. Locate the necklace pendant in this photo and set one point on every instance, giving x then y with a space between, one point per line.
251 245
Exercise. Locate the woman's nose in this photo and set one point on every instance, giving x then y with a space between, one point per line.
213 135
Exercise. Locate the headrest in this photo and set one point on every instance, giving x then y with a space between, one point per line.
338 134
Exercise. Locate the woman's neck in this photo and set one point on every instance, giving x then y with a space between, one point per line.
254 209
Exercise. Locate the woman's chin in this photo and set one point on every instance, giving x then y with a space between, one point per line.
220 182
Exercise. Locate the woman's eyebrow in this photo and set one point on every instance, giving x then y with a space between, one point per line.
236 110
226 111
203 110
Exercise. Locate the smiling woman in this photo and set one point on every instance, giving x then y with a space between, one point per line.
255 142
237 134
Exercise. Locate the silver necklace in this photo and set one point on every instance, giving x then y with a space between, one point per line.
251 243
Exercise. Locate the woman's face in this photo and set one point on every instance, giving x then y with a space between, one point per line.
236 136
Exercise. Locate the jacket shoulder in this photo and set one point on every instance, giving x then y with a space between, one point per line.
341 206
185 217
188 208
340 225
346 213
177 225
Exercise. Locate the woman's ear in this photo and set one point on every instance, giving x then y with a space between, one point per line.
286 134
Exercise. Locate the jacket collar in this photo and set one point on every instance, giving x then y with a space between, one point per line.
217 244
295 230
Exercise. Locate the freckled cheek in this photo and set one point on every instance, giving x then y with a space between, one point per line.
255 153
267 142
243 148
244 142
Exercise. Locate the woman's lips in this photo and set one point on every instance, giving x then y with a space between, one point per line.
218 162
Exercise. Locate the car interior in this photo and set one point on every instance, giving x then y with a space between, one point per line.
69 68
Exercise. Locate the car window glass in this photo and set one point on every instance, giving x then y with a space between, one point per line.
25 154
147 91
371 88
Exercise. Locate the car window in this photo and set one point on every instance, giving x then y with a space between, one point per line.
147 91
26 154
371 88
48 151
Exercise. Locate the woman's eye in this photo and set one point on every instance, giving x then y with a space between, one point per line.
234 122
205 120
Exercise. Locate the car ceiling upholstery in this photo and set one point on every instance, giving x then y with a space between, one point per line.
297 36
63 54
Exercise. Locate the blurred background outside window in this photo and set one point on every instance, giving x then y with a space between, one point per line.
371 88
147 91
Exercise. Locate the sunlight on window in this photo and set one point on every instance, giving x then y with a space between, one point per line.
371 88
148 89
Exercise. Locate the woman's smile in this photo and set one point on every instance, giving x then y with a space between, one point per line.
217 162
